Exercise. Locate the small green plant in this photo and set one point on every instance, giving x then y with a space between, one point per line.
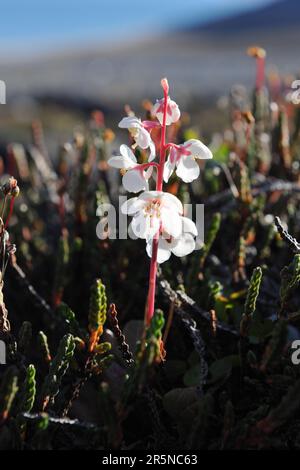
58 369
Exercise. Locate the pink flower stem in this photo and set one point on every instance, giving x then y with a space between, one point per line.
159 186
170 146
11 209
144 166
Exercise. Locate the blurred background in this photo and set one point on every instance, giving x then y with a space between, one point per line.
61 59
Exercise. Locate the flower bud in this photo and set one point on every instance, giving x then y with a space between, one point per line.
165 85
11 188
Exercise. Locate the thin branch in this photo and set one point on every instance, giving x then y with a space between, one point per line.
290 241
61 421
23 279
182 300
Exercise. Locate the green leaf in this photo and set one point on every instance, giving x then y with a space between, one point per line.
178 400
222 368
192 376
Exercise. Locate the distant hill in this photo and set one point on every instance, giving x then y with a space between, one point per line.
278 14
199 61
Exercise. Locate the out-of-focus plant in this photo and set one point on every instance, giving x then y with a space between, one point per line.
58 368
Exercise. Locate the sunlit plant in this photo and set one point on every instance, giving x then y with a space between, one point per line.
157 215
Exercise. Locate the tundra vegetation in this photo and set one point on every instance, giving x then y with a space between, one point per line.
111 346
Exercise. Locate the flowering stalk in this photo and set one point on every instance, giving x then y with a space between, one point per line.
260 56
10 213
260 72
159 185
157 216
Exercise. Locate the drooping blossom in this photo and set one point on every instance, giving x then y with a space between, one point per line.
180 246
139 130
173 112
154 211
135 177
183 158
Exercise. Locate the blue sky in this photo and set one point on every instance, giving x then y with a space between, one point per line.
38 24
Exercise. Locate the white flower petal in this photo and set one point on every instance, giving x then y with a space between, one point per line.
155 109
131 235
163 252
140 225
149 244
184 246
154 226
121 162
130 121
132 206
128 153
152 151
171 222
188 226
187 169
175 112
126 160
146 196
172 201
134 182
117 162
143 138
162 255
168 170
144 226
198 149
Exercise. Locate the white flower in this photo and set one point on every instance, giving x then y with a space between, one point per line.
139 132
153 211
180 246
182 157
173 112
135 178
